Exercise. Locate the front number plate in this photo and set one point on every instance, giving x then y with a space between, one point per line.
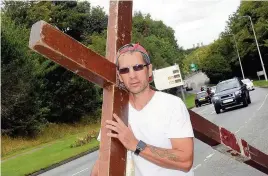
228 101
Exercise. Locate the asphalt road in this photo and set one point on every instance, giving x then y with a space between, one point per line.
250 123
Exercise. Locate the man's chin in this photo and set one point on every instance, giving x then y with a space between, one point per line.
136 90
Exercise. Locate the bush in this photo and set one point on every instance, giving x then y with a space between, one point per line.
85 140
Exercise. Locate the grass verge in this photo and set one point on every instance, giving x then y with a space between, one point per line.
15 146
189 100
22 156
261 83
58 151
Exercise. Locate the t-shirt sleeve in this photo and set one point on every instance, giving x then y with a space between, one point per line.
179 125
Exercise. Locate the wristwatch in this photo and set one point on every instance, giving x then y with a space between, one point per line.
140 147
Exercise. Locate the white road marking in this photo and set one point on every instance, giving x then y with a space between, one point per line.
263 102
206 108
197 166
210 155
80 171
253 115
239 129
203 110
213 112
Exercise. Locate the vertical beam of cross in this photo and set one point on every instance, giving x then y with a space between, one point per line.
112 158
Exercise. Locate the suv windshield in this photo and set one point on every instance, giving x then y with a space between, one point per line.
226 85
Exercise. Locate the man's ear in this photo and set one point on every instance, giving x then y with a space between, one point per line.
150 74
150 70
119 76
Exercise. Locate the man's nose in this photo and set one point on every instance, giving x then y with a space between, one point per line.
132 73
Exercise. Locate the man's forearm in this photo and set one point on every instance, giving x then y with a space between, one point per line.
168 158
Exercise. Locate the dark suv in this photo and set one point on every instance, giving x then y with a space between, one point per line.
230 92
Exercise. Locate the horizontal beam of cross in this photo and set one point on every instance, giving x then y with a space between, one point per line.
67 52
228 143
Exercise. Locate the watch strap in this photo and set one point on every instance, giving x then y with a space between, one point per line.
140 147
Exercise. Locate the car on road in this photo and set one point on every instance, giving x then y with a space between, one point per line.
203 88
213 89
187 87
249 84
229 93
202 98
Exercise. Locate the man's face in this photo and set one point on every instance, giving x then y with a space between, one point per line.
135 81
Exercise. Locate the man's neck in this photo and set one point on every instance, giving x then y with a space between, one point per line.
139 101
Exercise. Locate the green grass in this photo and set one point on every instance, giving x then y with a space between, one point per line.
24 155
58 151
189 100
52 132
260 83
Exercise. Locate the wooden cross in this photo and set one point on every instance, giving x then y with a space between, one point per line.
64 50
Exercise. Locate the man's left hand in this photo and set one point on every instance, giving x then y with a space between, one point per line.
123 133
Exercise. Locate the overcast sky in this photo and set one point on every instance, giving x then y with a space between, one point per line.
194 21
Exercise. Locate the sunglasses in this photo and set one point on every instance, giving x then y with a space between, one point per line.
137 67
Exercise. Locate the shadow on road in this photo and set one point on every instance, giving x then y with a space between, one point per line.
233 108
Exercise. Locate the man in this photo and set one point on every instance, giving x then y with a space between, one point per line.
159 136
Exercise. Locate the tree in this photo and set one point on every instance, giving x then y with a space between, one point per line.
158 39
20 110
241 27
46 91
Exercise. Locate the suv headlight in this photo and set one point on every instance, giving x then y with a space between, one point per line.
238 92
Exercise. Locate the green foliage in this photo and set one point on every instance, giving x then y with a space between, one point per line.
158 39
18 101
36 90
155 36
261 83
224 49
189 100
98 42
242 29
216 68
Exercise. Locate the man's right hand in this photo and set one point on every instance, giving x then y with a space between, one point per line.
95 169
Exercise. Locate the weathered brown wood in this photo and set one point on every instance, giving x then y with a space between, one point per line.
64 50
112 158
228 143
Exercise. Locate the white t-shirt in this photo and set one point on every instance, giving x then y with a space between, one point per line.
165 116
